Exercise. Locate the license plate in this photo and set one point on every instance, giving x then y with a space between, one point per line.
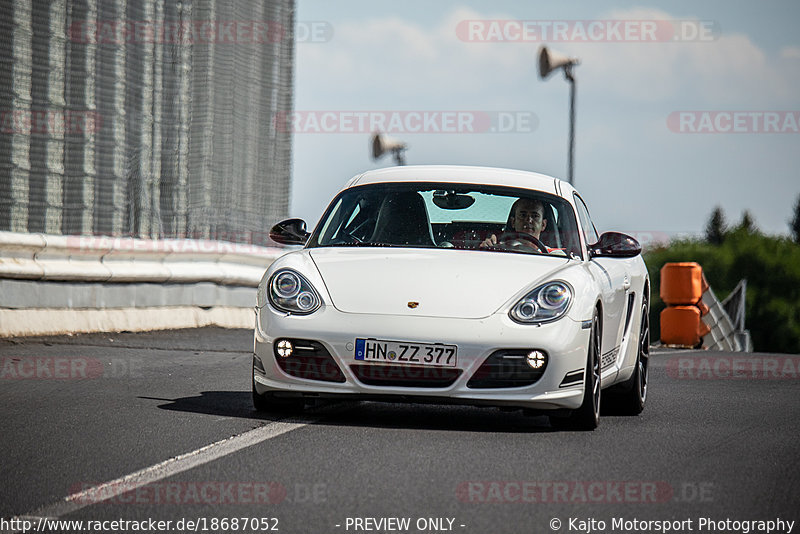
438 354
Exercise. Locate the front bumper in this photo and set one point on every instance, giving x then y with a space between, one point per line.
564 341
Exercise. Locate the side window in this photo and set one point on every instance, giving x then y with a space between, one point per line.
589 231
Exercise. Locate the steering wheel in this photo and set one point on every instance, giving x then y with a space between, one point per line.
515 240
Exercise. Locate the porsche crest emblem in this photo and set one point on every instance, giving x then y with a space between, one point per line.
413 304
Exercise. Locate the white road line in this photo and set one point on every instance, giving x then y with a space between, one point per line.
160 471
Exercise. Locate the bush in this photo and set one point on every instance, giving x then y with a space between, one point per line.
771 266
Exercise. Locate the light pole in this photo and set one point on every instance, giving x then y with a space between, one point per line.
548 62
381 144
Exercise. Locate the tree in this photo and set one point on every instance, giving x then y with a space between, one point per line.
747 224
716 227
795 222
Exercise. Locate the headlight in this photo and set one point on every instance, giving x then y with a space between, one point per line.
290 292
546 303
286 285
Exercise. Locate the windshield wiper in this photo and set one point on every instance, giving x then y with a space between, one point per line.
358 244
529 252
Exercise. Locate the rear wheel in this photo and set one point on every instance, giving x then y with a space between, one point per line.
587 417
629 398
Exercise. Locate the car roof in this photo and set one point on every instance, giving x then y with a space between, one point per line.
464 174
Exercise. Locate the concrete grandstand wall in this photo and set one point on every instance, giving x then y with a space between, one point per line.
137 146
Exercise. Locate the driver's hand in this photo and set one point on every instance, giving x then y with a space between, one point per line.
489 241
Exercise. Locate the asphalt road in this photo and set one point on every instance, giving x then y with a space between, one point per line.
718 440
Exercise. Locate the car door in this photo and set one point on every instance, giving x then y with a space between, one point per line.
613 278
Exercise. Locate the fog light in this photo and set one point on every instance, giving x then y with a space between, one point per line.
285 348
535 359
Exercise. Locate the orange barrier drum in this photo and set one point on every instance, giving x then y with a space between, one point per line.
681 325
682 284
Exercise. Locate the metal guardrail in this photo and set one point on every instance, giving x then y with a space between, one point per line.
726 321
51 284
108 259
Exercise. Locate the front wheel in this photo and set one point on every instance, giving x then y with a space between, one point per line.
587 417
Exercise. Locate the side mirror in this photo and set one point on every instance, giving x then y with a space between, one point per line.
615 245
290 232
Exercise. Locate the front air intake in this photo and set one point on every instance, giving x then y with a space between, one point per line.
509 368
307 359
407 376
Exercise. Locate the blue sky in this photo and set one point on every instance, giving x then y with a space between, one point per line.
636 173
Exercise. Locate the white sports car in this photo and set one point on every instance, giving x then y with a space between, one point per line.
451 284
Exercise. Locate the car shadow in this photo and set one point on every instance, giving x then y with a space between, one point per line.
364 414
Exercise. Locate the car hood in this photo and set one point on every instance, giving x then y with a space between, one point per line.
443 283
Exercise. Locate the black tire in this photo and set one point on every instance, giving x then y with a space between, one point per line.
630 397
271 404
587 417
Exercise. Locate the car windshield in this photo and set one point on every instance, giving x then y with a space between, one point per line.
445 215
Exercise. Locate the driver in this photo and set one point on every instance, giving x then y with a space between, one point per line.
527 217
